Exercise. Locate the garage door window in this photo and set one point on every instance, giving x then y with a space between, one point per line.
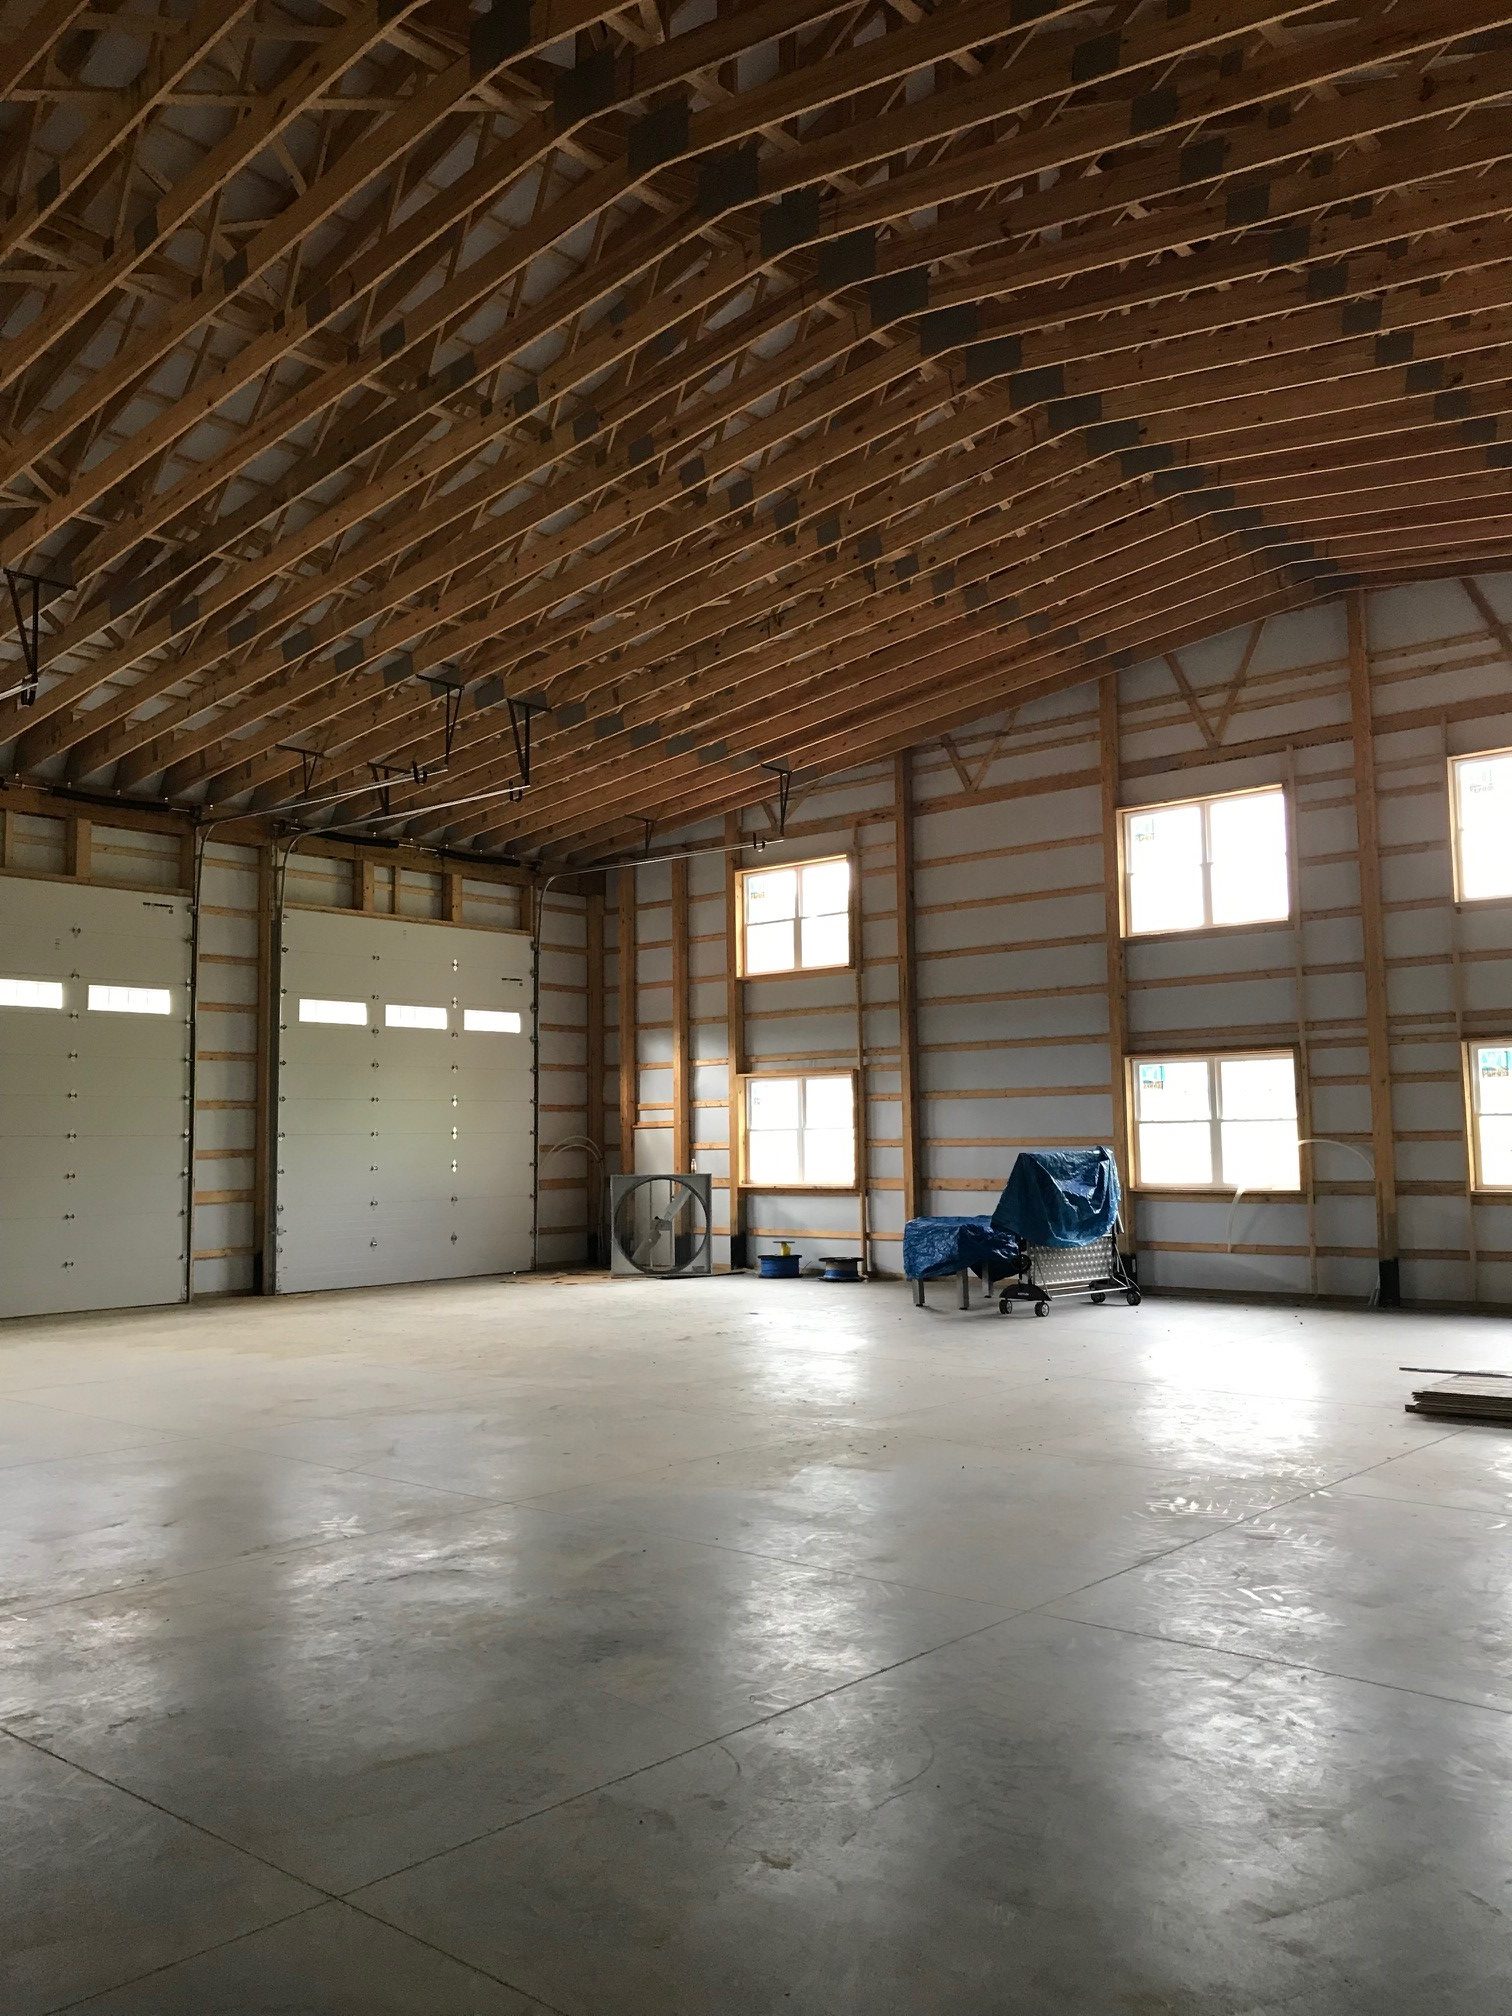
130 1000
31 993
492 1021
1217 1123
406 1015
800 1133
351 1013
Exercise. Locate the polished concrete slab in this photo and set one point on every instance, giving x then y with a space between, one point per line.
733 1647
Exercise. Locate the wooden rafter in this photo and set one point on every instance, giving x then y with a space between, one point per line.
787 385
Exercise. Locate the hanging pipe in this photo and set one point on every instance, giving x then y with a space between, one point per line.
1313 1141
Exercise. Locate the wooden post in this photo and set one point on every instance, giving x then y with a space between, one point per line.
908 1007
265 1042
451 898
1299 996
363 881
863 1110
78 846
593 1180
1113 934
629 1049
1377 1030
735 1042
682 1131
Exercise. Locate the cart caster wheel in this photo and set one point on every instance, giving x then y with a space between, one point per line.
1133 1298
1005 1306
1042 1307
1099 1299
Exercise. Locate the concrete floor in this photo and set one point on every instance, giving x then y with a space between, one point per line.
723 1648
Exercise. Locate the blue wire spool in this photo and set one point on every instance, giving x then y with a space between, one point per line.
779 1266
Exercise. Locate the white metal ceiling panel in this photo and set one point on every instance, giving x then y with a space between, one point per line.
94 1106
404 1153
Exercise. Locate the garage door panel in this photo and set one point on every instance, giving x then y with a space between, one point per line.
336 1075
297 1118
325 1165
495 1118
98 1173
372 1121
132 1167
94 1111
408 1119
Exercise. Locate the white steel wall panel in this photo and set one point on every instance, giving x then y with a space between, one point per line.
94 1112
403 1154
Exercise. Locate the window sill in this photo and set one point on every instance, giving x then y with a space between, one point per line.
799 972
1209 931
800 1190
1195 1193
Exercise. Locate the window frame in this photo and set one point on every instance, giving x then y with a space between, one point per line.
743 1080
851 914
1479 1187
1456 851
1212 1058
1207 929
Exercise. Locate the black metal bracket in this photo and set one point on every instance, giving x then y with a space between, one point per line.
452 701
521 714
783 772
23 586
310 761
650 826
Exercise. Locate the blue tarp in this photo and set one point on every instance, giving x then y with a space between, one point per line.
1060 1196
933 1247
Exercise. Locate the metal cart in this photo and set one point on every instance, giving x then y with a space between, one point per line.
1052 1273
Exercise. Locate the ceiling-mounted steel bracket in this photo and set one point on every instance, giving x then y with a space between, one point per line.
452 701
310 761
521 714
650 826
25 589
783 772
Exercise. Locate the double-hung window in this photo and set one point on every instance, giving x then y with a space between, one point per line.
799 1131
1489 1084
1480 797
1217 1122
1206 862
796 919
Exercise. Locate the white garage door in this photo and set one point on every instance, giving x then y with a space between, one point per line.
404 1121
94 1097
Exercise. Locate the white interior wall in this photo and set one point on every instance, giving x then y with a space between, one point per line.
1010 922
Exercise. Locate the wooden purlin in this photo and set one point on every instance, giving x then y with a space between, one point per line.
1218 476
394 642
1397 315
398 333
276 109
1229 25
996 633
890 258
886 729
496 37
1225 291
